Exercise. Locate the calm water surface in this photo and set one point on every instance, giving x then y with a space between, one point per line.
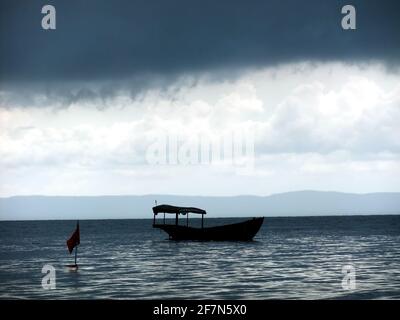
291 258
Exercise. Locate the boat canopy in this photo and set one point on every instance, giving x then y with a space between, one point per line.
177 210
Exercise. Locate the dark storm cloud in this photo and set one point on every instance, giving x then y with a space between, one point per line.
119 41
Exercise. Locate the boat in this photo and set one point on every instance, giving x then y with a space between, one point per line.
242 231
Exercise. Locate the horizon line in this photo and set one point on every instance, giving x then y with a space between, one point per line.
196 195
243 217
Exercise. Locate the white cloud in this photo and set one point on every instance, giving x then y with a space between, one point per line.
316 127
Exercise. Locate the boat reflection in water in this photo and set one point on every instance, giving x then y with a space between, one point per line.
242 231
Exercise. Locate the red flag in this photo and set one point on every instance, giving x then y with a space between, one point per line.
74 240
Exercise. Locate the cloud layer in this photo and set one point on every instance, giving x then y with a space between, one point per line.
325 126
80 105
100 47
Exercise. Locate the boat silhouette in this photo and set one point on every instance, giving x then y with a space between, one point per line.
242 231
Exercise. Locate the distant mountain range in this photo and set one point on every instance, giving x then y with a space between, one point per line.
299 203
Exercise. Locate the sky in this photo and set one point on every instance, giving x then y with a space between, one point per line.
199 98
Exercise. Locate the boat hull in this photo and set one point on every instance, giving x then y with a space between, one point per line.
242 231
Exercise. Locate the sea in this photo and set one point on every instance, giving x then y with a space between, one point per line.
330 257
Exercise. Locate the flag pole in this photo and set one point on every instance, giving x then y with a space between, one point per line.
73 243
76 247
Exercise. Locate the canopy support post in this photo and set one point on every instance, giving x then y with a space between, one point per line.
202 220
164 217
187 219
176 219
154 219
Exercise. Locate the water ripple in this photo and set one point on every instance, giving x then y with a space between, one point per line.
291 258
